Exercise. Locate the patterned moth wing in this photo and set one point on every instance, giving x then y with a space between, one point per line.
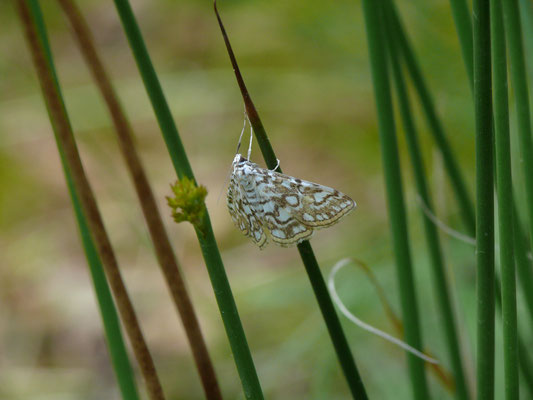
243 215
288 209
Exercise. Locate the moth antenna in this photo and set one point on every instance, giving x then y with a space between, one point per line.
250 145
331 286
236 152
251 133
242 133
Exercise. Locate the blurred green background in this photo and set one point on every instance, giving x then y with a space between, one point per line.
307 69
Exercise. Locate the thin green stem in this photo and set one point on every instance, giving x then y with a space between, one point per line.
505 200
463 24
525 366
391 166
163 249
436 128
312 268
485 200
513 34
526 279
523 265
525 274
204 232
259 130
117 349
154 90
524 270
526 14
440 282
338 338
90 209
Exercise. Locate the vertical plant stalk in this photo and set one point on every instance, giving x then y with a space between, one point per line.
463 25
505 201
513 33
525 274
525 366
526 16
90 209
204 232
441 285
259 130
165 255
485 201
307 255
391 165
523 268
117 349
436 128
505 198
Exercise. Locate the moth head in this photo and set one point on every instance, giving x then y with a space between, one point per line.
239 159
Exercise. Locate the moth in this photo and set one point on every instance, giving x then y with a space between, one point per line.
267 205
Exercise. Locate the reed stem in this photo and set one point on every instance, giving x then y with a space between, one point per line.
374 22
436 128
115 342
440 281
204 232
65 137
463 24
513 33
163 249
338 338
485 201
505 200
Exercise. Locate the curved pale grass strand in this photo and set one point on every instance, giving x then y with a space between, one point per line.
442 226
450 231
331 285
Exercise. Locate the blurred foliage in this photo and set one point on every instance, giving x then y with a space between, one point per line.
307 69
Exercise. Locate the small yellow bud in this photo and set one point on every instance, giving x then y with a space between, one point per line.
188 202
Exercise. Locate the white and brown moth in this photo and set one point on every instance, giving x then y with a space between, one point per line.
265 204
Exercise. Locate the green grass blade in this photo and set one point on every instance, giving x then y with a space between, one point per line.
525 366
65 136
391 166
210 251
523 266
442 290
436 128
524 271
513 33
307 255
154 90
331 319
525 274
526 14
463 24
485 201
163 249
115 341
505 200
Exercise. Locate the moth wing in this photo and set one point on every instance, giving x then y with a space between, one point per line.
322 206
242 214
276 204
282 227
313 205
